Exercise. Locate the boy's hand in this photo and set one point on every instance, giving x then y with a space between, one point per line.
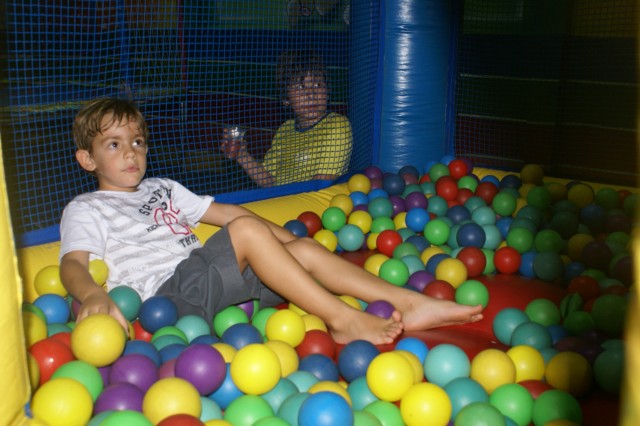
232 144
99 302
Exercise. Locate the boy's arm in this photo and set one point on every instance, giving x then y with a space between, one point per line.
219 214
75 276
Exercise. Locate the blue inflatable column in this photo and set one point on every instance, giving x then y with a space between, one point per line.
414 71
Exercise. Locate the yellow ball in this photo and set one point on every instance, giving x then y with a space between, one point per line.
528 361
47 281
581 195
557 190
255 369
373 263
286 326
359 182
217 422
327 238
99 271
297 309
62 402
492 368
372 242
400 220
451 270
389 376
227 351
418 368
569 371
532 173
98 340
429 252
35 328
313 322
287 355
169 396
34 371
351 301
524 190
576 243
327 386
426 404
361 219
343 202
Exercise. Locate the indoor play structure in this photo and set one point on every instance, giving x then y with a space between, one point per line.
424 83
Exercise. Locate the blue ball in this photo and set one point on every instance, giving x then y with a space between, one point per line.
354 359
297 228
503 224
144 348
434 261
320 366
241 334
54 307
359 198
491 178
377 193
416 219
414 345
325 409
227 392
207 339
458 214
419 241
511 181
172 351
392 183
526 264
157 312
471 235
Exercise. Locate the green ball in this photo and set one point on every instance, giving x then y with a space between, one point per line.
556 404
128 301
394 271
513 401
437 231
227 317
565 223
548 240
363 418
607 198
468 182
608 370
490 267
577 322
504 203
261 317
480 414
532 213
334 218
543 311
540 197
437 171
88 375
608 313
548 266
472 293
570 303
520 239
271 421
383 223
385 411
170 330
126 417
247 410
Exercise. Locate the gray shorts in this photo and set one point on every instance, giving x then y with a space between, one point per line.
209 280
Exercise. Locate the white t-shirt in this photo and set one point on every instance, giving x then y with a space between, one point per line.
141 235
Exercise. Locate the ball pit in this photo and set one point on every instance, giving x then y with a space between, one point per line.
571 297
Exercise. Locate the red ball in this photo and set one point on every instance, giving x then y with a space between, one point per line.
311 221
535 387
64 337
425 178
486 190
507 260
587 287
50 354
447 188
140 333
317 342
458 168
180 420
440 289
474 259
387 241
463 195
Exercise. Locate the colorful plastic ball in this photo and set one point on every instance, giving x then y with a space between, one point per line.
492 368
157 312
506 321
333 218
581 195
181 420
374 262
287 326
447 188
54 307
473 259
361 219
462 392
444 363
128 301
327 238
528 361
393 183
507 260
548 266
416 200
50 354
290 407
479 413
380 207
358 198
354 359
440 289
350 237
608 313
425 404
472 293
241 334
436 171
98 339
452 271
543 311
414 264
416 219
321 366
608 370
135 369
62 402
513 401
487 191
311 221
394 271
554 405
389 376
227 392
297 228
247 410
323 409
419 280
47 281
84 373
458 214
532 334
255 369
202 366
360 182
437 231
119 397
520 239
532 173
170 396
315 342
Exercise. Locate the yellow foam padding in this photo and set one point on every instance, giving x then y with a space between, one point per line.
13 362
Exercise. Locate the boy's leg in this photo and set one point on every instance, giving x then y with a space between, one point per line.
256 245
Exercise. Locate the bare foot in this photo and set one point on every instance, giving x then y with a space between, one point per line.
359 325
427 312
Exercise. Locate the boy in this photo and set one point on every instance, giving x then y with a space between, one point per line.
315 144
141 229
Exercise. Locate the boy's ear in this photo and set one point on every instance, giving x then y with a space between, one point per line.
85 159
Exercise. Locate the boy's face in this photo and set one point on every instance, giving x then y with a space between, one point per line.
118 157
308 99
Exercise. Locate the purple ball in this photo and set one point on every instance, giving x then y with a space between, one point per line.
416 200
380 308
419 280
398 204
136 369
119 397
373 172
202 366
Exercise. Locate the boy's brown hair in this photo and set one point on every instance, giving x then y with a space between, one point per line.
295 65
88 121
